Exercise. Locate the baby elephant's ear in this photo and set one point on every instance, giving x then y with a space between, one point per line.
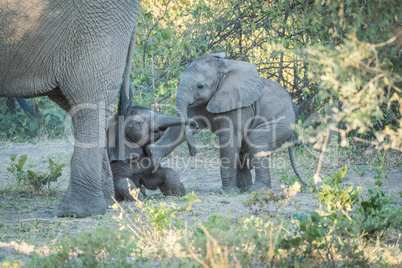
219 55
240 87
116 152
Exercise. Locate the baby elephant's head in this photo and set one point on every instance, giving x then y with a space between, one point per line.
144 126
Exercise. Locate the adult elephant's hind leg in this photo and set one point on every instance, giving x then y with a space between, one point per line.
85 194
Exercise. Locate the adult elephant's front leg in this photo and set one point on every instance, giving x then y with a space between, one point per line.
85 195
107 180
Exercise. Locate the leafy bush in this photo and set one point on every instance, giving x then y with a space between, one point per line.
12 263
159 217
172 34
34 179
15 124
379 211
358 70
339 201
335 230
319 232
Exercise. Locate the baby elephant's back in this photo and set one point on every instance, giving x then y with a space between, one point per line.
275 103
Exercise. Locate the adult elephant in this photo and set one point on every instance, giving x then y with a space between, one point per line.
252 117
74 52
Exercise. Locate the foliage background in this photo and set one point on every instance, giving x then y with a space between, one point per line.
340 61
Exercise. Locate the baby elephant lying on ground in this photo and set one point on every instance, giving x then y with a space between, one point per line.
130 166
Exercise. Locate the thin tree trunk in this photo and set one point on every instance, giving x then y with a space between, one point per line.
280 68
281 35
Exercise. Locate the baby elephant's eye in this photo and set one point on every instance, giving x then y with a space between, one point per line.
200 87
141 121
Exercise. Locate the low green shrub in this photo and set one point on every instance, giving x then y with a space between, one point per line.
323 233
379 211
338 200
31 178
102 247
12 263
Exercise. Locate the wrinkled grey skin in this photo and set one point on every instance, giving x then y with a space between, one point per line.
142 127
223 94
74 52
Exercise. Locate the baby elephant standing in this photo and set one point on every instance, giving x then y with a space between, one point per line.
252 117
131 168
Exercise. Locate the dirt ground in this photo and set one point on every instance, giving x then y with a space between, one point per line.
28 222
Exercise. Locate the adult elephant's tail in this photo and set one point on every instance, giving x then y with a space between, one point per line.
126 95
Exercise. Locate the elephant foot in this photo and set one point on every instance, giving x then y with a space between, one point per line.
126 190
258 187
142 191
244 187
244 180
73 205
109 201
228 190
173 192
132 196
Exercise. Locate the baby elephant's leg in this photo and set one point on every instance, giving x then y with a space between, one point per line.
243 180
124 189
262 174
167 180
123 184
172 185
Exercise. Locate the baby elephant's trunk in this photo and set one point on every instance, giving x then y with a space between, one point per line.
181 108
163 122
